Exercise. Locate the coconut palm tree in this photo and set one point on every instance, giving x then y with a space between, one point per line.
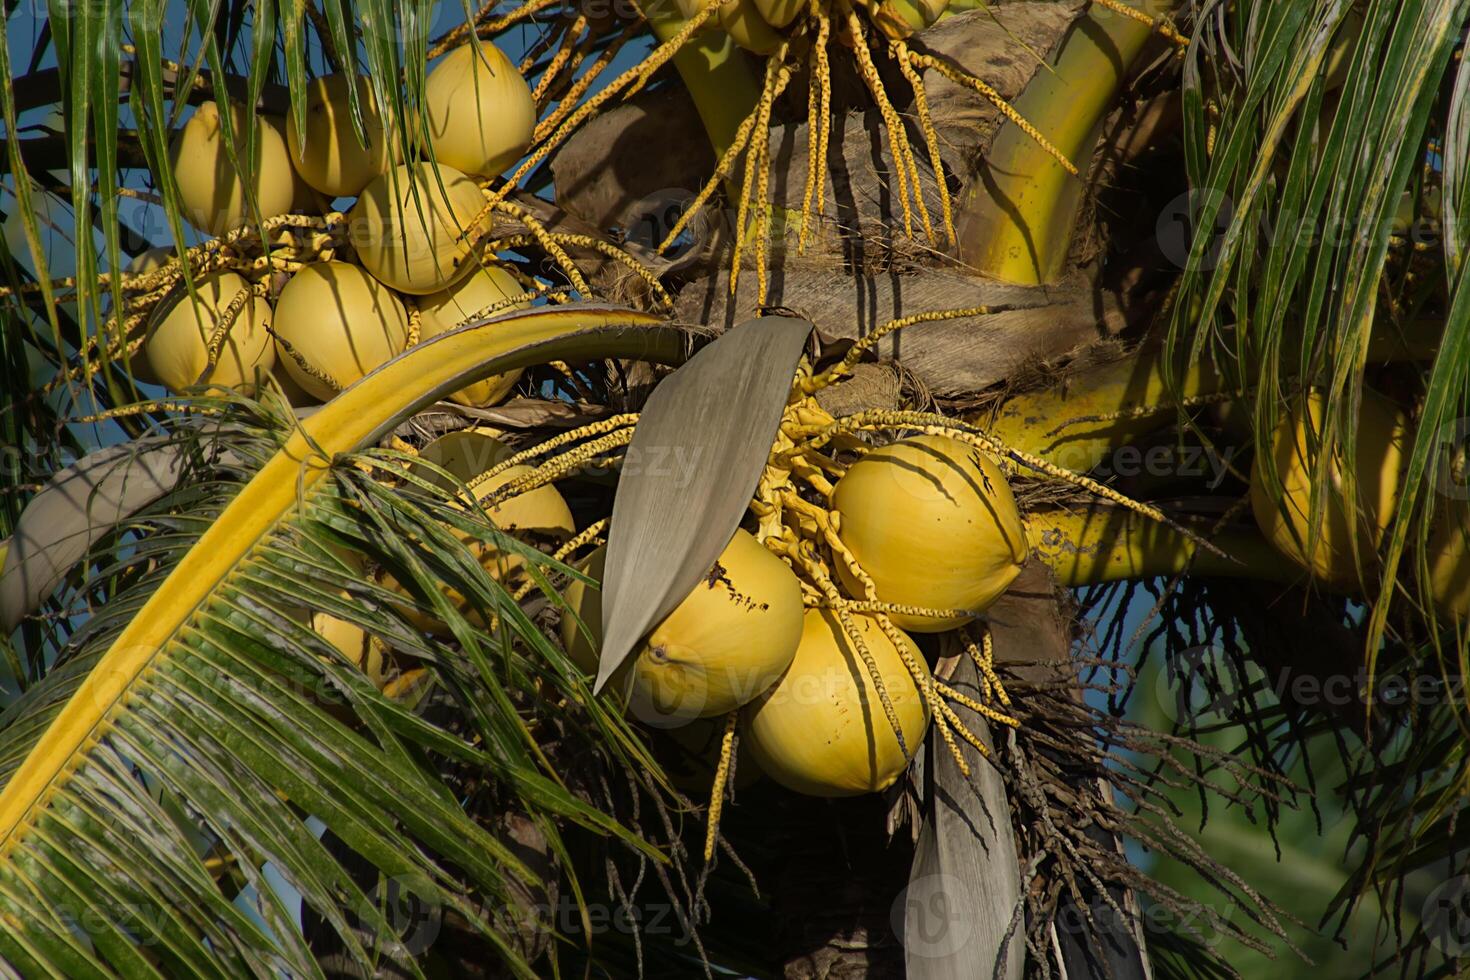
430 499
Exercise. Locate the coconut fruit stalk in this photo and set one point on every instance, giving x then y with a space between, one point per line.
223 312
336 323
821 730
211 187
724 644
443 311
932 522
414 227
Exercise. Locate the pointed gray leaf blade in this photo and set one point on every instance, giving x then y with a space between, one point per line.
77 506
698 451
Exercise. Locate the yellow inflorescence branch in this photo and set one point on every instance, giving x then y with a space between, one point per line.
717 791
818 122
1160 24
898 143
817 382
904 56
994 98
598 428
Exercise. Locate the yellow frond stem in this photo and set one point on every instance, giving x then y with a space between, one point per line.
360 416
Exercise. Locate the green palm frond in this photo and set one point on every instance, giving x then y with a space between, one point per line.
1306 130
198 673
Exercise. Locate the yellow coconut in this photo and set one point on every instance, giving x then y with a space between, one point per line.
1449 561
933 522
779 13
581 621
210 186
725 643
904 18
180 330
466 453
341 322
481 114
414 234
1381 441
145 261
445 310
728 641
304 197
822 729
742 20
354 643
538 517
327 152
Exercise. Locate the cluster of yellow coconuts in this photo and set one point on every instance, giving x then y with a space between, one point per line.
1356 504
334 321
748 637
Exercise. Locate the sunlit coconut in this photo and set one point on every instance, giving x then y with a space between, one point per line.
480 111
726 642
443 311
210 185
340 323
932 521
327 152
822 729
182 327
413 227
1353 521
